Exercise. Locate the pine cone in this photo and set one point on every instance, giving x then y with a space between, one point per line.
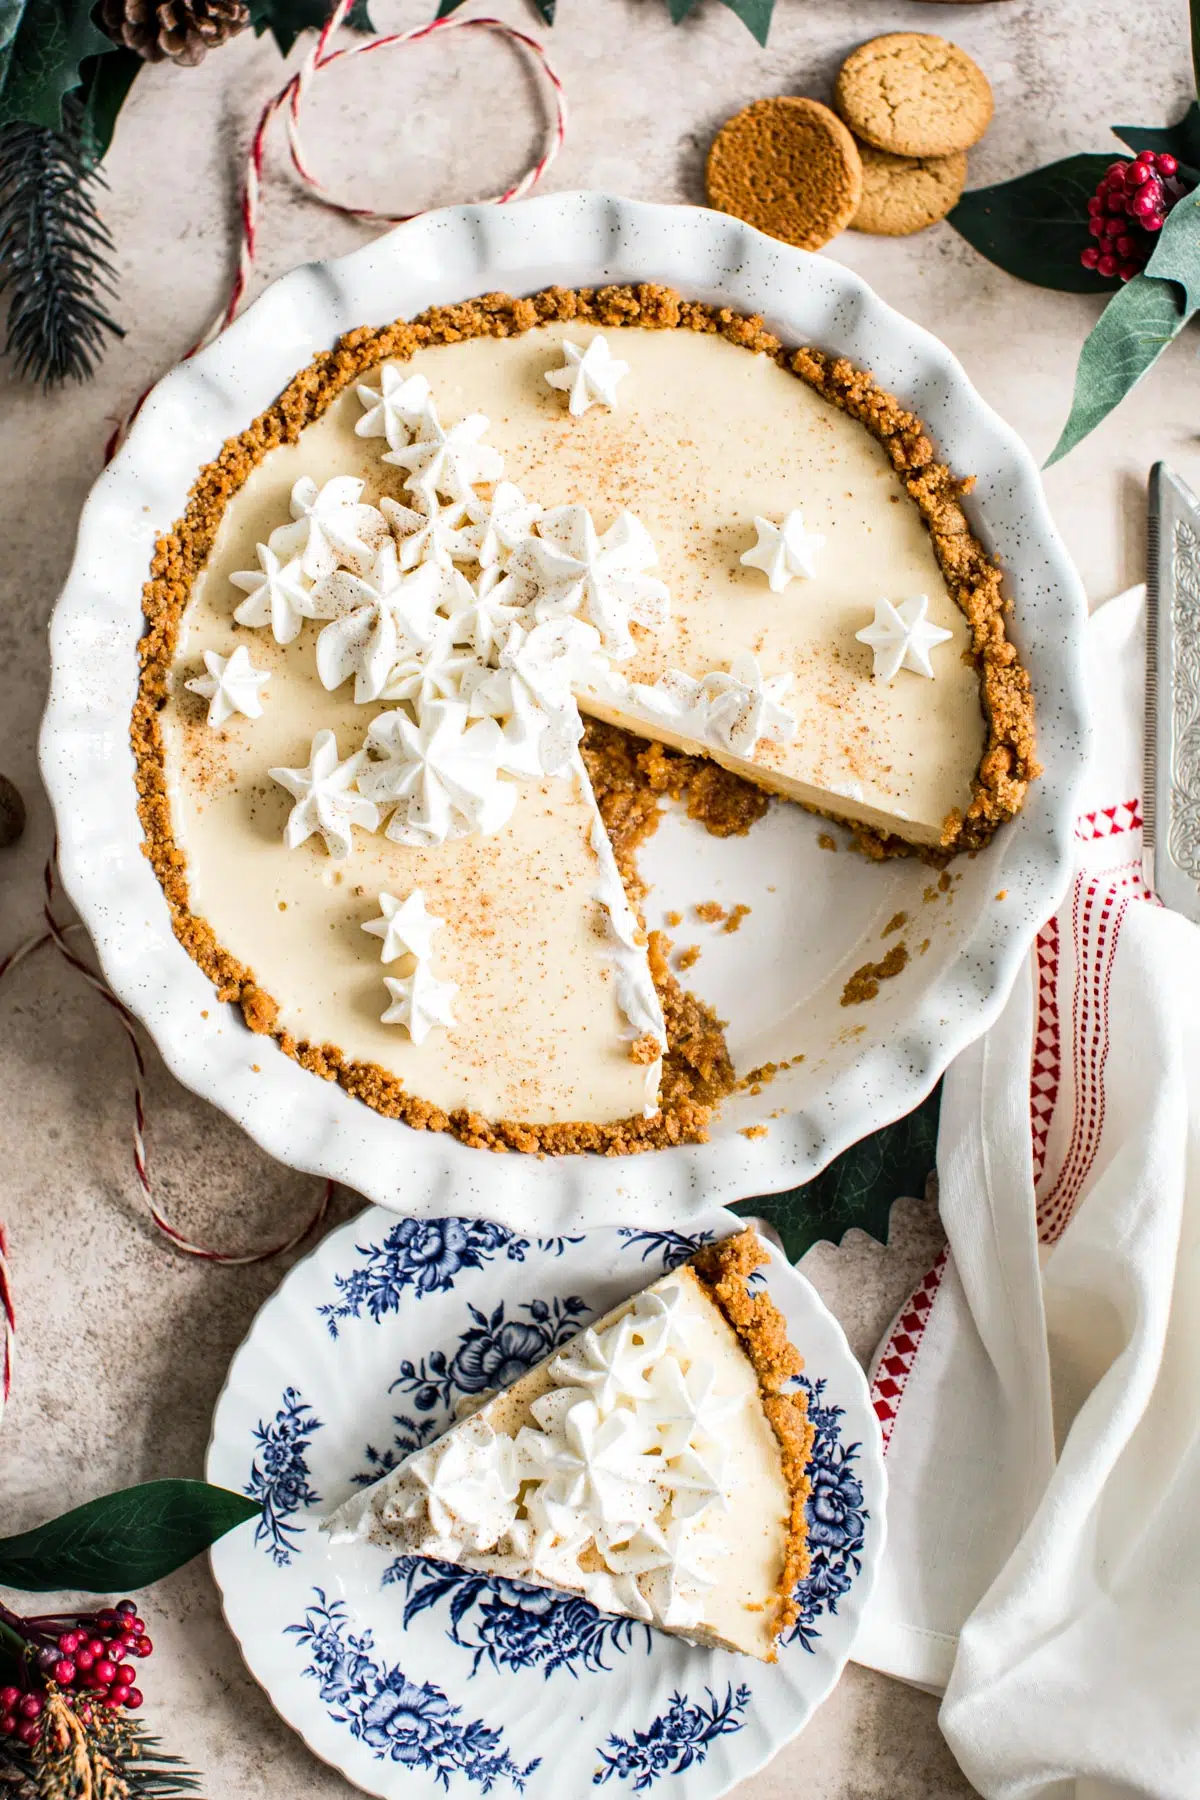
176 30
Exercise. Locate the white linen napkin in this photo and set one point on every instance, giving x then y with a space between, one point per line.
1040 1393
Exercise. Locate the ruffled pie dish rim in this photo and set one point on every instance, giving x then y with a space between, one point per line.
579 239
973 580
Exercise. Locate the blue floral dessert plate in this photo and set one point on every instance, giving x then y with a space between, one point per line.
418 1679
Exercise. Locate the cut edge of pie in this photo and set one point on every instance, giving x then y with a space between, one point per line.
722 1275
697 1071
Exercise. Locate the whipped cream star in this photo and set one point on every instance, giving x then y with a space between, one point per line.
783 551
502 523
433 671
610 1364
277 592
394 408
420 1001
432 532
537 740
737 708
326 803
406 927
591 1461
232 685
588 376
447 460
685 1408
603 577
438 777
497 601
332 528
901 637
376 621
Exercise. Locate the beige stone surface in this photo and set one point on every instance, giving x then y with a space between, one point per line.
123 1343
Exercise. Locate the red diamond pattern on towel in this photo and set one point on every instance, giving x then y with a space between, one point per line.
1045 1074
1108 821
899 1353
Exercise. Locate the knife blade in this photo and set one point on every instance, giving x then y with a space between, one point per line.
1171 792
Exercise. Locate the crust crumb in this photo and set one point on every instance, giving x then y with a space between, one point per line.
687 958
864 983
897 922
710 911
755 1131
733 922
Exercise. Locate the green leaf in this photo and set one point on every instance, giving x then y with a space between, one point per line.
42 44
1136 326
1036 226
1181 139
124 1540
286 19
755 16
859 1187
101 94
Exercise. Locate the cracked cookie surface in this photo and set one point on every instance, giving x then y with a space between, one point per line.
914 94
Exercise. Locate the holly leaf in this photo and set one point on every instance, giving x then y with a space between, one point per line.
123 1540
1136 326
1036 226
859 1187
101 94
286 19
1182 139
42 44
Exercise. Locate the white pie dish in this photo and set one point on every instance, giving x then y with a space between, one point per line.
817 916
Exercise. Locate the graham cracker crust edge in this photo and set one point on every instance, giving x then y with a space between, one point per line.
723 1270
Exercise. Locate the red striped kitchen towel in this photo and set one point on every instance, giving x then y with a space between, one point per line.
1039 1393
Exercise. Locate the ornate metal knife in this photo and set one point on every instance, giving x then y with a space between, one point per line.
1171 800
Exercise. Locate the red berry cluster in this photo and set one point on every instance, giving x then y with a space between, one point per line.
84 1654
1126 212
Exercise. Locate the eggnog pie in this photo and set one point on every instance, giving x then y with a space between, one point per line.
375 640
655 1466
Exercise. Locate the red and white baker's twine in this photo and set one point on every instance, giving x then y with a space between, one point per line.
57 934
291 97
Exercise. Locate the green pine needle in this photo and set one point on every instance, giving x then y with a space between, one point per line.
54 252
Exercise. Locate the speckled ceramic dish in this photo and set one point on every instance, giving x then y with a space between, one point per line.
816 917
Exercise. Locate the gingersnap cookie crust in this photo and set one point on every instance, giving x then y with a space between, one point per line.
697 1072
723 1271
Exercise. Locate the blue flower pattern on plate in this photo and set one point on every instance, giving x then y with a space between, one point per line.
279 1475
674 1740
492 1352
836 1517
512 1625
403 1721
671 1247
424 1256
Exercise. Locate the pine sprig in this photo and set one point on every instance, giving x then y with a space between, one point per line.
54 250
98 1757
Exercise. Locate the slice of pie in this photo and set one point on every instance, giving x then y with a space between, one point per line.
655 1466
403 610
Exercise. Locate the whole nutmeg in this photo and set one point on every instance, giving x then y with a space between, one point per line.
12 813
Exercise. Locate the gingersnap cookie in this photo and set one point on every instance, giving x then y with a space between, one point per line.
914 95
788 166
903 194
